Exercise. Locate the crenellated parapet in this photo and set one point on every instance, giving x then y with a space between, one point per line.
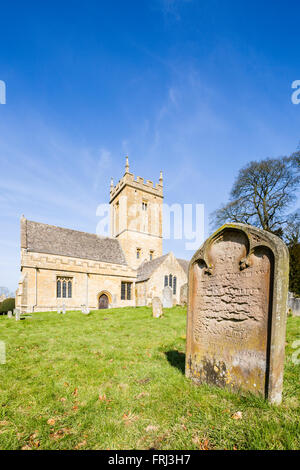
137 183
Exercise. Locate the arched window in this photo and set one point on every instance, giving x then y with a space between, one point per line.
64 290
69 289
166 280
58 288
64 287
174 284
170 280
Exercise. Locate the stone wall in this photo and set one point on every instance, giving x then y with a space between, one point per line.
154 286
37 287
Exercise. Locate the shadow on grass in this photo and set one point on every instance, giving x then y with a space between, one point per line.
176 359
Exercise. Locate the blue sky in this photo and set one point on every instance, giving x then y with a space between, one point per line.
195 88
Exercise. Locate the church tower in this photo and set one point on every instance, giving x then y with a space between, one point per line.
136 217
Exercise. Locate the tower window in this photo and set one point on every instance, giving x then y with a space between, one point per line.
144 221
151 255
126 290
64 287
138 253
170 280
166 281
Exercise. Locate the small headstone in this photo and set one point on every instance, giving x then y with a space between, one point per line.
17 315
167 297
238 285
9 314
183 294
63 309
156 307
85 310
294 304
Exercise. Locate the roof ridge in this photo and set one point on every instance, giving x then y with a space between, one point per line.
51 239
71 230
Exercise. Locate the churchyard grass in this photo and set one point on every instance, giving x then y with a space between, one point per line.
114 379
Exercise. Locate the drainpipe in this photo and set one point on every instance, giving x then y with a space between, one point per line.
35 293
87 290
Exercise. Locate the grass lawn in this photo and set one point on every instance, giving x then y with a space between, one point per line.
115 380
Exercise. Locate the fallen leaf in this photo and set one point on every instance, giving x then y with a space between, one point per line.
129 418
75 393
51 421
102 397
142 394
26 447
60 433
4 423
201 444
237 415
151 428
80 444
144 381
123 385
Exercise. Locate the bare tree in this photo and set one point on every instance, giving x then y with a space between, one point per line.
291 233
262 194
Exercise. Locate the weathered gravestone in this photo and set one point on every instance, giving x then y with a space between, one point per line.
63 309
183 294
238 285
9 314
17 314
85 310
167 297
294 304
156 307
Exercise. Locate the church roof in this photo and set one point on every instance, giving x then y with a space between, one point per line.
147 268
43 238
184 263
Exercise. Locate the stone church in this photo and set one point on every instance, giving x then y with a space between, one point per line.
66 267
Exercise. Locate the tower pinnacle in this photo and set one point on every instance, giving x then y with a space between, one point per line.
127 165
161 178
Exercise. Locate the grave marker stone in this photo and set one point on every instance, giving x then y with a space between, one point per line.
183 294
238 285
85 310
156 307
167 297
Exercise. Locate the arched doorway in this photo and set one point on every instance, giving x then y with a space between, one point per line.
103 301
